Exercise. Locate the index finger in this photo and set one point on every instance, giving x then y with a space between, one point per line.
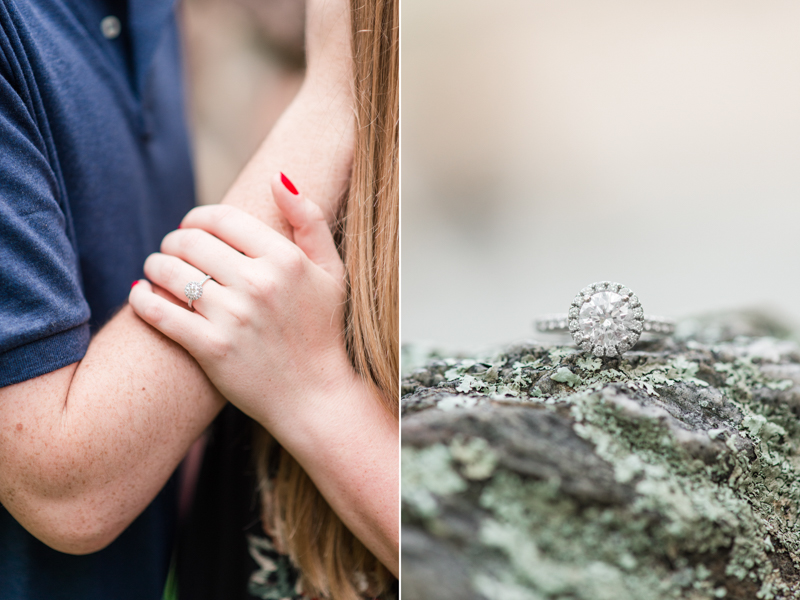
240 230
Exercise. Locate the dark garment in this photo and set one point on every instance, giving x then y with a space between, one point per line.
213 560
94 171
223 551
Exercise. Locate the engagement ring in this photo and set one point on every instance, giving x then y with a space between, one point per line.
194 290
605 319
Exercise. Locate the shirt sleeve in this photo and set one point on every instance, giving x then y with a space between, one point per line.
44 316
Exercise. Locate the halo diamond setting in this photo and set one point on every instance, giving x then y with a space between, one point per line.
193 290
606 319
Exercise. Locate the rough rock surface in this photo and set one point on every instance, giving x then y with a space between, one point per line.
544 473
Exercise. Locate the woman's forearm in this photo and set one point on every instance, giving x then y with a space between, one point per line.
349 445
313 144
313 140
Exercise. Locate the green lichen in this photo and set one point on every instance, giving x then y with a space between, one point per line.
705 435
476 456
426 474
564 375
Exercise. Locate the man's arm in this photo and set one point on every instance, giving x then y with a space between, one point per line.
87 447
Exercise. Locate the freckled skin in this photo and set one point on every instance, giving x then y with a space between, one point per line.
102 436
97 448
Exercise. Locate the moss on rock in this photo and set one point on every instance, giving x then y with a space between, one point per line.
545 473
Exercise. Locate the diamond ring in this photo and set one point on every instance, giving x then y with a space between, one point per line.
194 290
606 319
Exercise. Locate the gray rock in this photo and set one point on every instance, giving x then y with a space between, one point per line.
544 473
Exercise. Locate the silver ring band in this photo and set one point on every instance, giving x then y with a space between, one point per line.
660 326
605 319
194 290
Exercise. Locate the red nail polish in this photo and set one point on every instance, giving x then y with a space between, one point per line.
179 225
134 283
288 184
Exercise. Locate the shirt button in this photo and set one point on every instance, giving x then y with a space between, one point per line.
111 27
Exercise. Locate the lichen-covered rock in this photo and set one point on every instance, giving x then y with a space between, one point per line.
545 473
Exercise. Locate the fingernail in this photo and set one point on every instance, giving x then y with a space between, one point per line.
134 283
288 184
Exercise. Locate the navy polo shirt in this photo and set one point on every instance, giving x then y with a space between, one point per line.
94 171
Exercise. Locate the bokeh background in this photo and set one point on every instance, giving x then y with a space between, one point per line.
547 145
244 63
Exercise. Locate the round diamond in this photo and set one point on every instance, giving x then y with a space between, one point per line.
607 320
193 290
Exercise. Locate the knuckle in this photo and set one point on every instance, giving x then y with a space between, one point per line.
152 267
216 214
224 211
153 313
168 241
169 271
188 239
201 215
292 261
219 346
193 216
240 312
314 212
258 284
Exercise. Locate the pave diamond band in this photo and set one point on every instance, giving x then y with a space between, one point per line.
194 290
605 319
560 324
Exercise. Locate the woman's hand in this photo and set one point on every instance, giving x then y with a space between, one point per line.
268 331
270 322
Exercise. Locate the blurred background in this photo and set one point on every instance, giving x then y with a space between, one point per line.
244 63
547 145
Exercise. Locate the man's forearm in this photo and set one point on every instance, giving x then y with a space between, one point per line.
86 448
